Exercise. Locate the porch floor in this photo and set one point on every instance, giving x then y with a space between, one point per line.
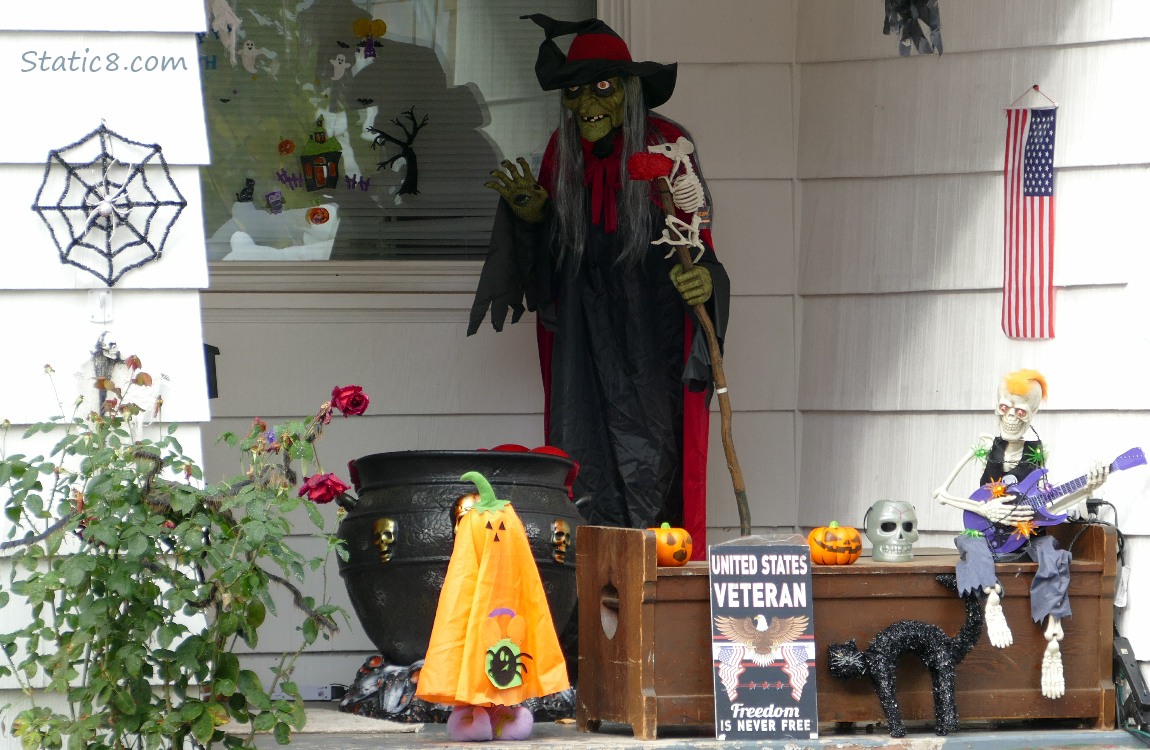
554 735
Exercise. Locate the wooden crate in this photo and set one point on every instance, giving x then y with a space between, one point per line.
644 636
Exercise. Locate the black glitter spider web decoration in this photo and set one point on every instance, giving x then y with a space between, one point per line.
109 203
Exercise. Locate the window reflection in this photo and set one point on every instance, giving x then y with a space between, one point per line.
383 119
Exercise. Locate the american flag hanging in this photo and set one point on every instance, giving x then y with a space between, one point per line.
1028 260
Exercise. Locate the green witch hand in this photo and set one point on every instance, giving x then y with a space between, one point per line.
523 193
694 285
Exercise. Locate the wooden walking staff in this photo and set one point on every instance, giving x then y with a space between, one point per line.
685 191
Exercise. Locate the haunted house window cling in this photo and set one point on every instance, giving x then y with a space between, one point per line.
109 203
320 160
388 116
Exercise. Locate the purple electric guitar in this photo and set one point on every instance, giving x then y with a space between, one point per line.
1032 491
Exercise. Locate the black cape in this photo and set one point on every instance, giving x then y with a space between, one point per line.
615 361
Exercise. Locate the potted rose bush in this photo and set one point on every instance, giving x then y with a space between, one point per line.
136 585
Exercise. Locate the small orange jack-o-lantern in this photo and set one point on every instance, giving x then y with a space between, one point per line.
672 545
318 215
834 544
286 147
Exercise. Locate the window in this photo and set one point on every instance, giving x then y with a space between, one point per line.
358 130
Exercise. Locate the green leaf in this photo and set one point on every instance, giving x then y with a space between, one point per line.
314 514
255 613
228 668
249 684
191 710
263 722
298 715
203 727
124 701
282 733
219 713
228 623
167 634
73 573
310 631
138 545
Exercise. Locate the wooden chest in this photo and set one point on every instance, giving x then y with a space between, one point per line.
644 636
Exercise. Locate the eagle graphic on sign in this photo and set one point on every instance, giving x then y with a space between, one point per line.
753 639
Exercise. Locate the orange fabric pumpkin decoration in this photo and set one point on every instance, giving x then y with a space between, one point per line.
834 544
493 641
672 545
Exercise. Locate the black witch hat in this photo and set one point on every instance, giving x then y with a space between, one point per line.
596 53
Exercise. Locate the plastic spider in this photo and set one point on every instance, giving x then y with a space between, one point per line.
1024 529
107 200
996 488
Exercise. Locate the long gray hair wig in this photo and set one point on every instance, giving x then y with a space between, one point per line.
635 218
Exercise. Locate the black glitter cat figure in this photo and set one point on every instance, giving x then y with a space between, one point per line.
941 653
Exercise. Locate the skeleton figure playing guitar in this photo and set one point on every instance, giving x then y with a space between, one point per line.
1009 506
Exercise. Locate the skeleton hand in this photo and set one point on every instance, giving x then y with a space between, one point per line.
1053 680
1096 476
523 193
1003 510
694 285
996 627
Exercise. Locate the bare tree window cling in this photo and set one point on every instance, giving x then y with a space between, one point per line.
109 203
365 129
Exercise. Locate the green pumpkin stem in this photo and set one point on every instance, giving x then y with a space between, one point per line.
488 503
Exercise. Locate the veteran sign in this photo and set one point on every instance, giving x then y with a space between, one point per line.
762 640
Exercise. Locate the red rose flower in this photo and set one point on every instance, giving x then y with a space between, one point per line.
322 488
350 400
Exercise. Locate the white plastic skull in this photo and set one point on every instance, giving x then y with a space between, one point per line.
891 527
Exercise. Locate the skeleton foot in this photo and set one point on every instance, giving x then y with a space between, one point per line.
1053 680
996 627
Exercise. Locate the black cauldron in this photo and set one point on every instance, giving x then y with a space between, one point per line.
400 532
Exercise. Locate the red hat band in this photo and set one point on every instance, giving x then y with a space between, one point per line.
598 47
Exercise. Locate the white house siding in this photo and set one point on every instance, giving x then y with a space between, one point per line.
858 210
900 225
49 309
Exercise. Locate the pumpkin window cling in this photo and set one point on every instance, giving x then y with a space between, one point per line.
834 545
493 644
